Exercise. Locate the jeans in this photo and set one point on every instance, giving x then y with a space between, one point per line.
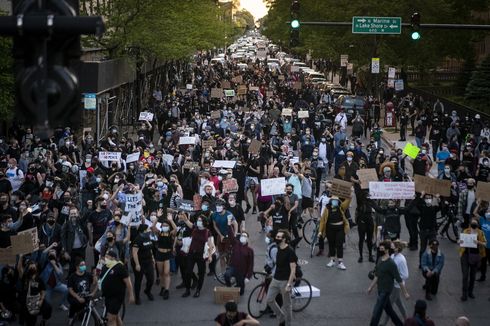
383 302
240 279
285 313
396 298
60 288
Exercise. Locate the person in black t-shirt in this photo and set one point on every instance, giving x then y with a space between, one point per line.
115 281
286 262
278 214
232 317
79 288
142 262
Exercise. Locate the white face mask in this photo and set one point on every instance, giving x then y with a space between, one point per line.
199 225
447 171
349 158
166 228
267 240
243 240
428 202
219 209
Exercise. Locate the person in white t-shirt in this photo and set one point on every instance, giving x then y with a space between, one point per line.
14 174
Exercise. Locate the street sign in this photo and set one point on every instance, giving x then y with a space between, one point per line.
375 65
344 59
89 101
391 72
376 25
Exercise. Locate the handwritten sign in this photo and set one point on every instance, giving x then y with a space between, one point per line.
273 186
229 92
25 242
303 114
133 157
411 150
280 77
186 205
225 84
366 176
237 79
341 188
146 116
242 90
109 156
188 87
230 185
297 85
132 209
432 186
224 164
187 140
391 190
467 240
287 112
208 143
254 147
190 165
215 114
253 89
216 92
483 191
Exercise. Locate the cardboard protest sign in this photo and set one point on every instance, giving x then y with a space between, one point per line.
288 112
88 129
269 93
190 165
216 92
225 84
391 190
208 143
297 85
367 175
132 209
253 89
483 191
294 69
109 156
273 186
432 186
25 242
187 140
229 92
280 77
224 164
303 114
145 116
133 157
411 150
242 90
186 205
230 185
254 147
7 256
237 79
215 114
341 188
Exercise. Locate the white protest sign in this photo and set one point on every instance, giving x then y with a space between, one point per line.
467 240
188 86
391 72
303 114
132 157
344 58
399 86
146 116
224 164
187 140
169 159
133 206
109 156
391 190
294 160
274 186
294 69
375 65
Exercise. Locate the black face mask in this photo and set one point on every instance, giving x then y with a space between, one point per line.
391 251
51 222
474 225
381 252
110 239
103 206
470 186
278 241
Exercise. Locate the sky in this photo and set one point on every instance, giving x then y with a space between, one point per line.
256 7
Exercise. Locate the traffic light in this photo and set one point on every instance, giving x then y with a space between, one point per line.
47 88
295 24
415 21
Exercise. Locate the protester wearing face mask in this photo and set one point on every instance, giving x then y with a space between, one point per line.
73 238
334 225
14 174
432 264
52 276
484 222
97 223
483 170
471 258
181 248
32 286
221 219
142 262
428 208
441 158
241 260
5 185
115 282
467 198
236 211
350 166
8 292
80 288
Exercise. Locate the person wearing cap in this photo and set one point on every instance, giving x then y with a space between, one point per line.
419 315
334 225
232 317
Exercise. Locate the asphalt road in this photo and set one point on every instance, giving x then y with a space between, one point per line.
343 299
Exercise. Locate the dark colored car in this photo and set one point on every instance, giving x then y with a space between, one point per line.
351 104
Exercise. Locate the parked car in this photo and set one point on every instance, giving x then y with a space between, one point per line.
352 105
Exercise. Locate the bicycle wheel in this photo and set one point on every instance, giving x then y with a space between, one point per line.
301 295
452 232
257 301
309 229
219 272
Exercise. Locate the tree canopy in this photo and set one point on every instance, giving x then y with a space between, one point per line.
6 78
330 42
478 88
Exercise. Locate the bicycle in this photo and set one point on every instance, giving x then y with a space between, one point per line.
448 224
301 295
90 315
219 274
310 233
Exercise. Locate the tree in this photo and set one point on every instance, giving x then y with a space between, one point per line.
7 96
478 89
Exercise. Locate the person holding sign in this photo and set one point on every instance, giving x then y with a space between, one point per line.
472 249
334 225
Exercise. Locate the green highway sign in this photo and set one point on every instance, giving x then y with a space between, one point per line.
376 25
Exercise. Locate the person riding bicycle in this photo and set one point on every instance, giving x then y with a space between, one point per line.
241 260
114 282
80 288
221 220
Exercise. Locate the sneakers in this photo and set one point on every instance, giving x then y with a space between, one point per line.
63 307
341 266
331 263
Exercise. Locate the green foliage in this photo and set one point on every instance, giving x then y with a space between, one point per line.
400 50
7 97
164 29
478 89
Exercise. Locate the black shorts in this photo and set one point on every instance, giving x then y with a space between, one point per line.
162 256
113 304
